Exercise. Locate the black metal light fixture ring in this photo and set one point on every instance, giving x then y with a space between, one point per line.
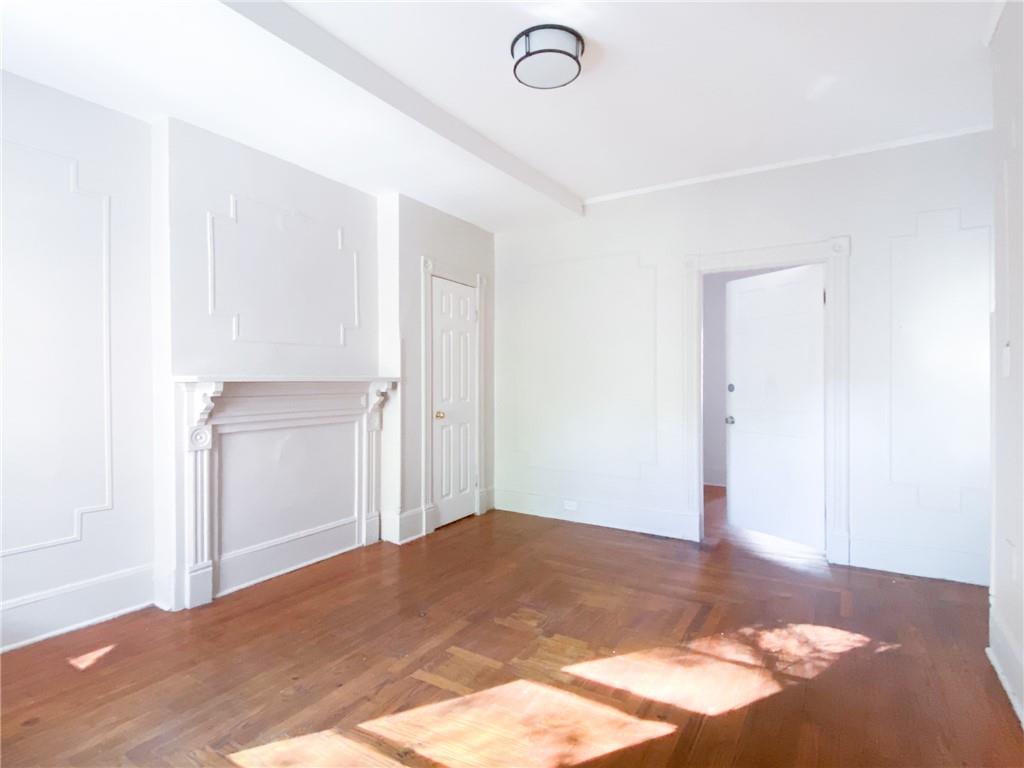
549 87
581 45
571 46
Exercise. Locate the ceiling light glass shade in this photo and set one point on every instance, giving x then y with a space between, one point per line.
547 56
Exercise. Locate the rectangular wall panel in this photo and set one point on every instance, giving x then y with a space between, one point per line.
273 268
591 362
75 386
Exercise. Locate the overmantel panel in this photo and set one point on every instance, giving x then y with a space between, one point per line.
273 268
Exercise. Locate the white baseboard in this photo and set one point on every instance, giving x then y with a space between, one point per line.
410 524
40 615
1005 656
251 565
164 595
837 546
401 527
659 522
485 500
913 559
390 525
373 529
431 518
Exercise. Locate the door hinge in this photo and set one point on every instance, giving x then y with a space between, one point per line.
824 297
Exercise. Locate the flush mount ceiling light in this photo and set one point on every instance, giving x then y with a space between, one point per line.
547 56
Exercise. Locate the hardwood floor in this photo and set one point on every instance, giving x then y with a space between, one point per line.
509 640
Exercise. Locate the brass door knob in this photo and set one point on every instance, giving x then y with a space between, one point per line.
438 414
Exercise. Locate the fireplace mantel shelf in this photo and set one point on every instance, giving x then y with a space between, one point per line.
236 378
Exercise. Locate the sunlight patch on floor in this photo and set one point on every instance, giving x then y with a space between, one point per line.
682 678
802 650
325 748
780 551
721 673
517 725
86 660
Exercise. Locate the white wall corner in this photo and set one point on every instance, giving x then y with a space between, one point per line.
431 518
995 14
167 591
485 500
390 525
1005 656
373 528
401 527
390 362
837 547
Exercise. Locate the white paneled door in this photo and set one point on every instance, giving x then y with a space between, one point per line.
454 394
775 404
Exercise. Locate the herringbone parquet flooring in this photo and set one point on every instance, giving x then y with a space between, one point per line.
509 640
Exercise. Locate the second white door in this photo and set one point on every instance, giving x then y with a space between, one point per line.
775 444
454 394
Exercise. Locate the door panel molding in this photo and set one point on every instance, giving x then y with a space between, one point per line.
428 510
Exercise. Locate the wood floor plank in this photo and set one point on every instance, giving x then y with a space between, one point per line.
515 640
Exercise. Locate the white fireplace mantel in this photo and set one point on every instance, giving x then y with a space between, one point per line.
243 378
276 473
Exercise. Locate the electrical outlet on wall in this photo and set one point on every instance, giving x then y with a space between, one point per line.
570 505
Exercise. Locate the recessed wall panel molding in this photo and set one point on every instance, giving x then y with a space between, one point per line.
273 268
939 359
605 300
281 276
57 420
896 513
76 434
591 391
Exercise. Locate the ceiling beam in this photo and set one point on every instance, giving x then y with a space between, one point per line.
292 27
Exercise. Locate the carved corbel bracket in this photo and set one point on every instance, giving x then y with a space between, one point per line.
201 398
378 397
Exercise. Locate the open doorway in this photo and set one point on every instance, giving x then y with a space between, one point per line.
763 368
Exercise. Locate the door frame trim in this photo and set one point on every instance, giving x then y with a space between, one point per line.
428 504
834 254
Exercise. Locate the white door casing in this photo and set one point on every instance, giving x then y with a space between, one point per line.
776 436
454 396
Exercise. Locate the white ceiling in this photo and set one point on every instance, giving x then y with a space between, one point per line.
669 92
672 91
202 62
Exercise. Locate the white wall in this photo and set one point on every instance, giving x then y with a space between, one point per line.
77 422
714 370
1006 619
210 262
274 269
459 251
269 273
590 335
